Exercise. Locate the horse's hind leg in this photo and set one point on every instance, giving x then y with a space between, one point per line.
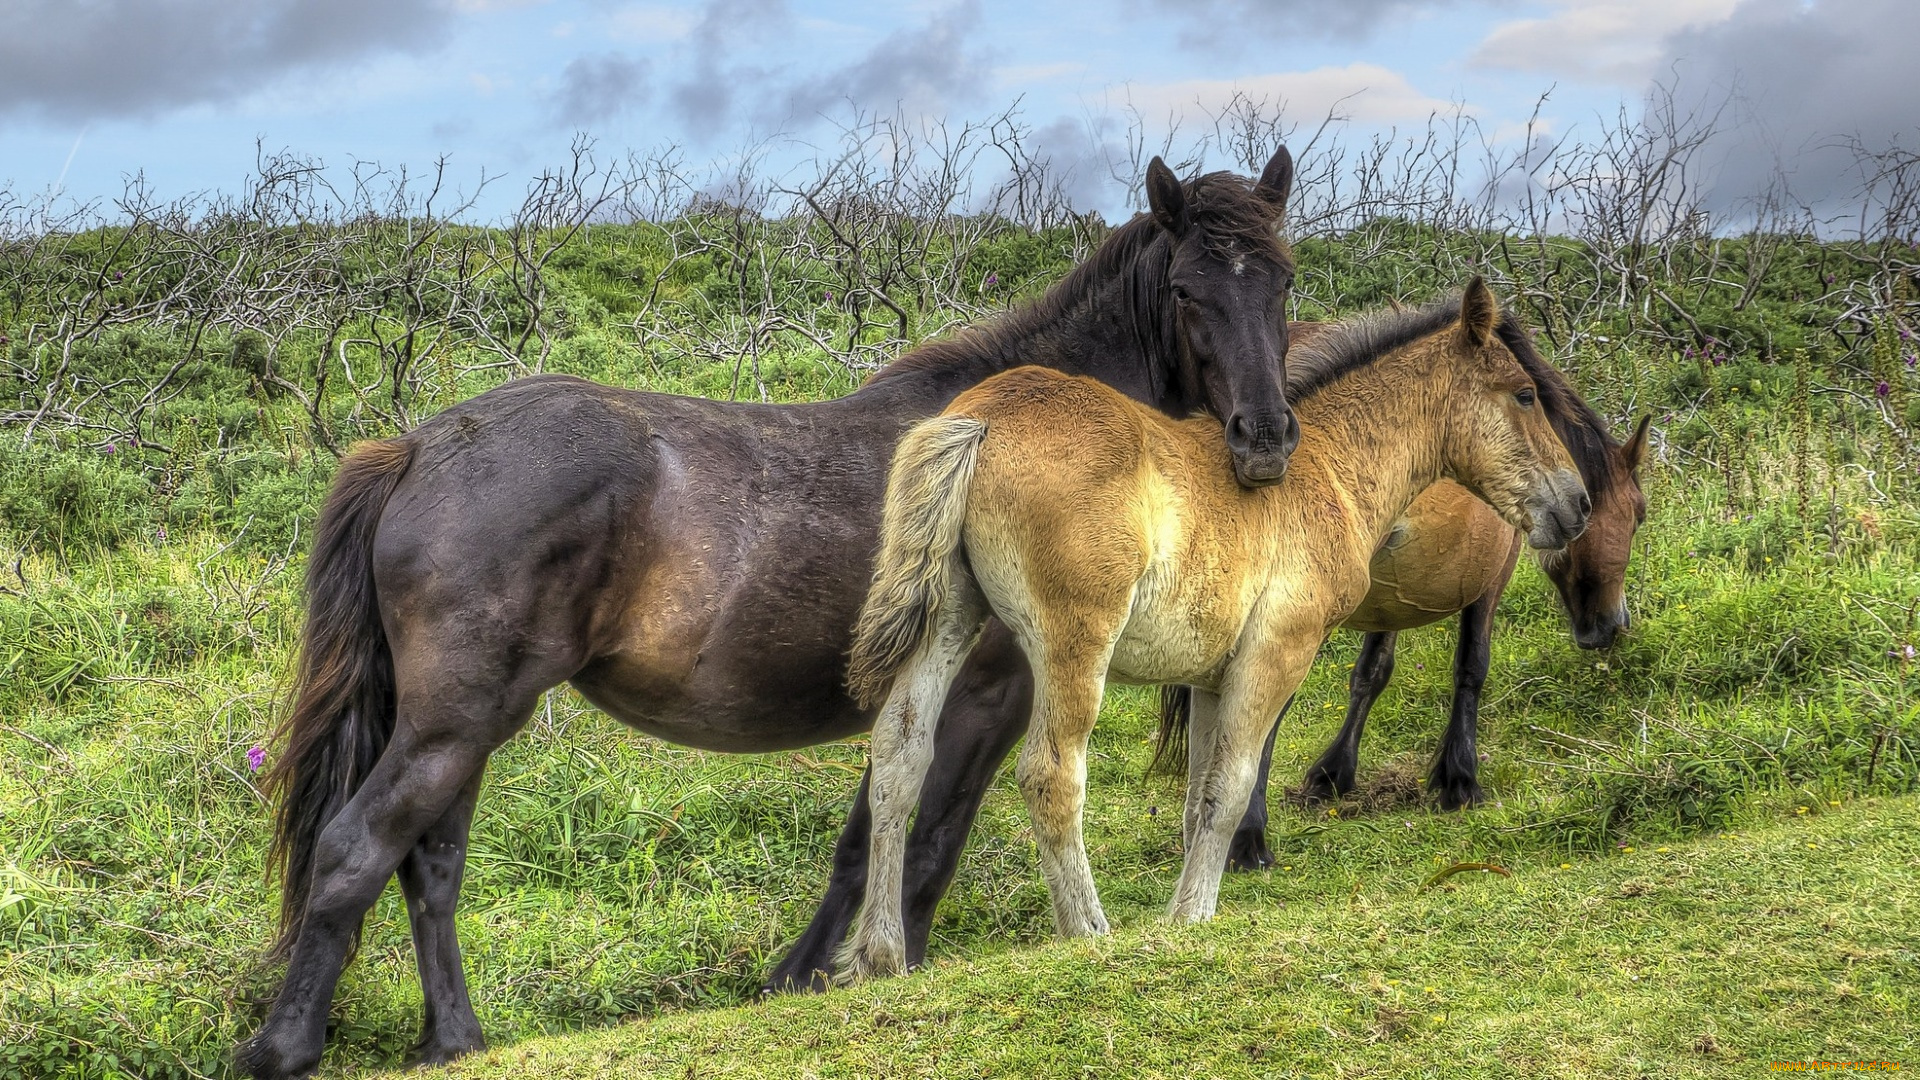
440 742
901 751
430 879
1333 775
985 715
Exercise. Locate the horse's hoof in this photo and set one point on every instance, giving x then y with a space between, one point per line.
863 963
1324 786
259 1058
785 982
1459 795
1249 851
442 1051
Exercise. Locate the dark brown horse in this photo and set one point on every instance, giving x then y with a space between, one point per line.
968 753
692 567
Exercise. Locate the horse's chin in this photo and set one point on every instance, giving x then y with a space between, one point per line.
1259 472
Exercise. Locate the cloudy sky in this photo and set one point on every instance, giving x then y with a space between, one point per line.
181 90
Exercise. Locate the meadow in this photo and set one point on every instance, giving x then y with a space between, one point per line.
1710 825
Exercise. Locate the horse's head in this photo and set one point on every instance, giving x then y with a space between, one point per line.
1591 574
1501 445
1228 279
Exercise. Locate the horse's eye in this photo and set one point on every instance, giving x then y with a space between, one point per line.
1525 397
1182 295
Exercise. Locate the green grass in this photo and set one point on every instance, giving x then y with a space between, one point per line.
149 606
615 877
1797 941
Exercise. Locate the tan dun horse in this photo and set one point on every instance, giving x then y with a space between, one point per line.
1451 554
1114 543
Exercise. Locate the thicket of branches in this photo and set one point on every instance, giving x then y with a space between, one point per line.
368 300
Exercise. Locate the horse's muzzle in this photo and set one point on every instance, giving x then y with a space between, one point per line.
1600 632
1261 446
1559 510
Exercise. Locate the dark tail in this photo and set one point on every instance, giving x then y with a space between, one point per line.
1170 742
343 695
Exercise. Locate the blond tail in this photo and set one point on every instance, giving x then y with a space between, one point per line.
919 549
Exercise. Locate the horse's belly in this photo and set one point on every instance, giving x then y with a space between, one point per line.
1176 632
1444 553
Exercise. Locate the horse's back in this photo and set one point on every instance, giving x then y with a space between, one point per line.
691 565
1109 518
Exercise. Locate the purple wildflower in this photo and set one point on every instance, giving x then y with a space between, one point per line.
1911 358
119 276
1906 334
1881 389
829 296
160 534
1906 652
992 279
256 757
111 449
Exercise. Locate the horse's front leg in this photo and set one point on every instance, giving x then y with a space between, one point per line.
1333 775
1218 785
1069 677
1249 850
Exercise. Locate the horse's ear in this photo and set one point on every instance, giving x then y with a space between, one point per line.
1276 181
1166 198
1479 313
1636 449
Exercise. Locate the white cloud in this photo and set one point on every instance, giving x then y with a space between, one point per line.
1606 41
1364 93
646 22
477 7
1023 75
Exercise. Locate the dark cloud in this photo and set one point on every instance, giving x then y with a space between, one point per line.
704 100
594 89
85 59
1080 158
1234 24
921 68
1800 79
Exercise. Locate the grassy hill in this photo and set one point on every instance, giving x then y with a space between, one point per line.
173 398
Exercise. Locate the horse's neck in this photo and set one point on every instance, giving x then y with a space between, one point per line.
1095 336
1381 436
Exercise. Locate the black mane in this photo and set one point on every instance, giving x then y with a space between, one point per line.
1235 221
1357 342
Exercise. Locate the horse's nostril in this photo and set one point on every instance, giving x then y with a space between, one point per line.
1239 432
1293 431
1585 504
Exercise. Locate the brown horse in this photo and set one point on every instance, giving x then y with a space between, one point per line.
971 745
1115 544
692 567
1450 553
